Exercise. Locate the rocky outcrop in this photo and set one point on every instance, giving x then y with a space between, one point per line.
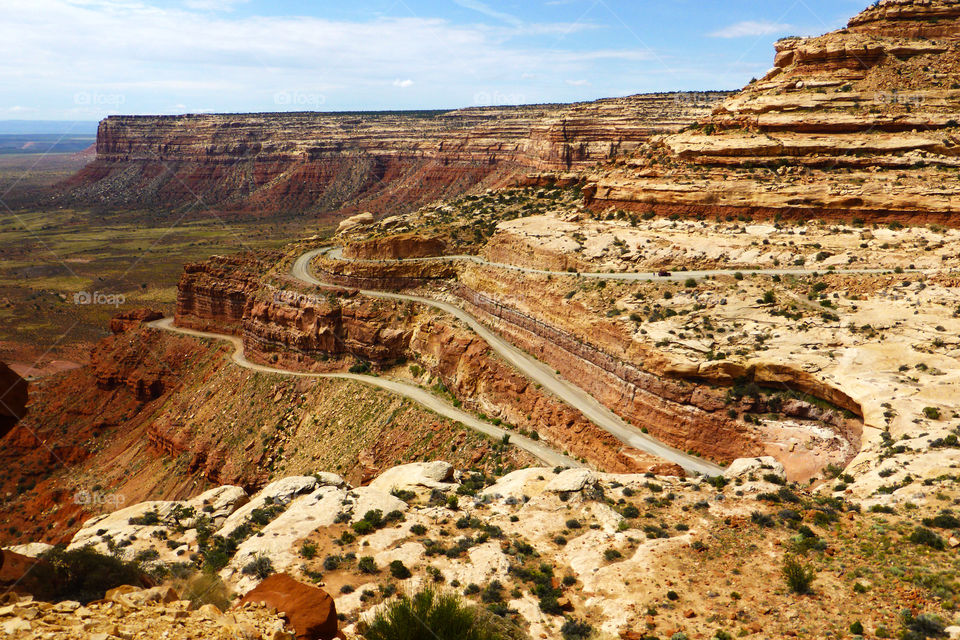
128 320
859 123
216 293
395 247
382 162
13 399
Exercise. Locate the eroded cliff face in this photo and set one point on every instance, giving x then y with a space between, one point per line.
335 330
386 162
859 123
160 416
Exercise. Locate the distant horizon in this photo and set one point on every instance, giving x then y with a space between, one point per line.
21 126
83 60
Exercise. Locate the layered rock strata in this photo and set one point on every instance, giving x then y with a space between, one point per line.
859 123
324 162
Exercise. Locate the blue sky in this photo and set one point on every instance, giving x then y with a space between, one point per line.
85 59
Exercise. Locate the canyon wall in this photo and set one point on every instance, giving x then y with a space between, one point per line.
330 332
385 162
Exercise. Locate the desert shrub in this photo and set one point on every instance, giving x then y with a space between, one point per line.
331 563
418 530
926 537
573 523
82 574
856 628
574 629
433 615
260 566
399 571
363 527
798 577
308 550
366 564
493 593
922 626
630 511
150 518
943 520
612 554
205 588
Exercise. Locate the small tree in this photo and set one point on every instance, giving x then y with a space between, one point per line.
799 578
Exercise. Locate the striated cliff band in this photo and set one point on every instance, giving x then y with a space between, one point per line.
384 162
858 123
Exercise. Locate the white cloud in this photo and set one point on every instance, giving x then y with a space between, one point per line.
751 28
578 83
139 57
487 10
213 5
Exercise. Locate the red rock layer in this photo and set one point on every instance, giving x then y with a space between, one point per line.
325 162
317 332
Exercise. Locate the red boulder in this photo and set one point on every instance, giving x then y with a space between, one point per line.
310 611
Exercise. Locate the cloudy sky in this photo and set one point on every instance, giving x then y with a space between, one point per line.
84 59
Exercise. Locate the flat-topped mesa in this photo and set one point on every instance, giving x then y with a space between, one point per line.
823 132
384 162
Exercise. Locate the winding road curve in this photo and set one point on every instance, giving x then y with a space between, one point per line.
428 400
537 372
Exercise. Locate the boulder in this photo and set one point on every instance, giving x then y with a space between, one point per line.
416 476
309 611
572 480
744 467
13 399
354 222
25 575
219 502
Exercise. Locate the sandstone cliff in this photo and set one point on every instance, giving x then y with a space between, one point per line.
319 163
861 122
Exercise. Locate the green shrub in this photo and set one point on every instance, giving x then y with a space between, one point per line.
924 536
308 550
432 615
82 574
399 571
366 564
205 588
798 577
922 626
260 566
574 629
612 554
